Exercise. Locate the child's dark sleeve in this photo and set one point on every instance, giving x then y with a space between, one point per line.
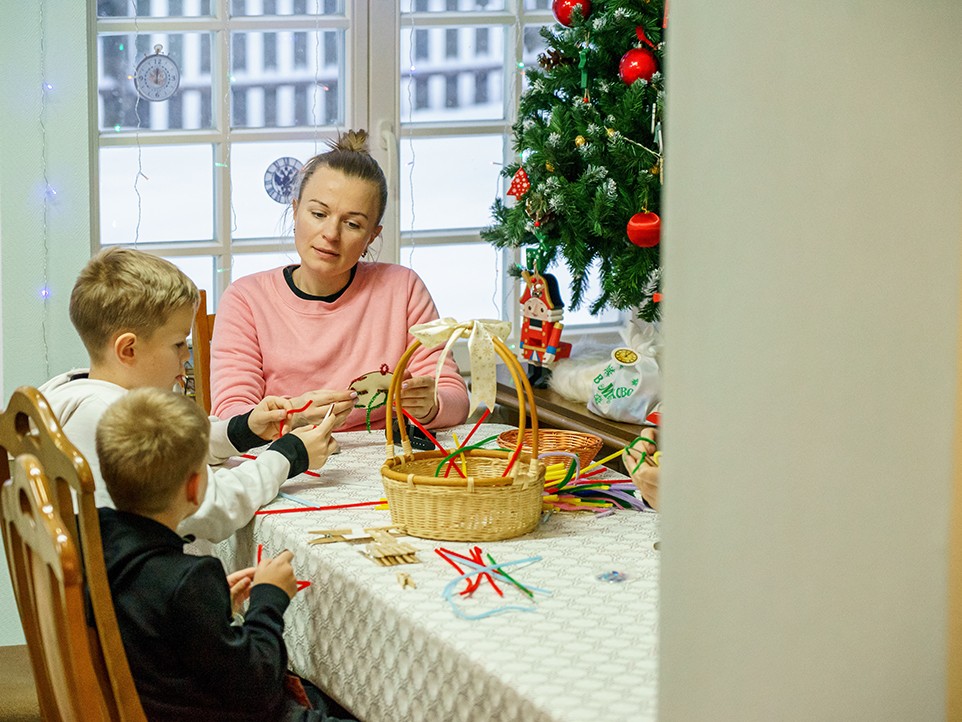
290 446
242 665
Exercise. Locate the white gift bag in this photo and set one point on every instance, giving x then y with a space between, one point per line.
629 386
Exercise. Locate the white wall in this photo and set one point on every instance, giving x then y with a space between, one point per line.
812 292
37 338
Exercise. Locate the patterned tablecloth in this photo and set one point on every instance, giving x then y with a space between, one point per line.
587 652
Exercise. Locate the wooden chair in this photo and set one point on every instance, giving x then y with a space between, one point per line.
201 333
48 583
28 426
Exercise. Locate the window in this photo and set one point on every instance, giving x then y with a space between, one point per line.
420 44
451 47
270 51
257 83
268 79
481 41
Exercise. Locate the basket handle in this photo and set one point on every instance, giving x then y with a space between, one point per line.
521 383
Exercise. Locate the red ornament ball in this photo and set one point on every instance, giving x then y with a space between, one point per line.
562 10
644 229
637 63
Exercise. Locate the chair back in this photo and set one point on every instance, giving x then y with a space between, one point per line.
48 583
201 333
29 426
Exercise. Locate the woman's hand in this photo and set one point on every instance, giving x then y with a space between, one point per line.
240 587
265 419
324 403
418 398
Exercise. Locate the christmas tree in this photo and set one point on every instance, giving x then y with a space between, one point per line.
589 136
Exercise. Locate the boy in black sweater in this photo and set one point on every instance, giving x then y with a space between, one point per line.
175 610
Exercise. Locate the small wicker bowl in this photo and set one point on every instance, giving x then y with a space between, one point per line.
586 446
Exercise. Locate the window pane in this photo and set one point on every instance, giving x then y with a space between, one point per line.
582 315
457 291
534 44
284 79
200 270
152 8
449 195
175 187
122 108
537 4
455 74
247 263
287 7
255 213
437 6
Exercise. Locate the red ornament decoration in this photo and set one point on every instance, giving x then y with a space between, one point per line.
562 10
644 229
637 63
519 184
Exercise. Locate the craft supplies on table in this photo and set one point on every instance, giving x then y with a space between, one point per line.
495 495
389 649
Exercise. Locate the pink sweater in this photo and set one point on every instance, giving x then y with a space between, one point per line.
267 341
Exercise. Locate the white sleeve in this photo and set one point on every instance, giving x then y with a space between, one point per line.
220 449
233 495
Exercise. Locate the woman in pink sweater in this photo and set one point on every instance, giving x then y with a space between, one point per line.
309 330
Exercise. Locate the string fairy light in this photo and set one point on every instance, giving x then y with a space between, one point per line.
49 193
412 69
140 158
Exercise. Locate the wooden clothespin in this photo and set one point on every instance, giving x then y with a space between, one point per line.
404 579
329 536
388 551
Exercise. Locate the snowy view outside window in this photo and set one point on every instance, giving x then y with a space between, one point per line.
265 79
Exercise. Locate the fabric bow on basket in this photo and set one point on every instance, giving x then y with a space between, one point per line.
480 349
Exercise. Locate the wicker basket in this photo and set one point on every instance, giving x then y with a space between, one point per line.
486 506
586 446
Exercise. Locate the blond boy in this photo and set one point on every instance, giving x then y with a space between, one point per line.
133 312
174 609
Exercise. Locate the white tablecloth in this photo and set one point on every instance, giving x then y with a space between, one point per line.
587 652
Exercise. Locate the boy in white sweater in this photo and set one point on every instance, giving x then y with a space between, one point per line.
133 312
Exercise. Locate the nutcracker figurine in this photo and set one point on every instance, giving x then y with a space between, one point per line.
542 310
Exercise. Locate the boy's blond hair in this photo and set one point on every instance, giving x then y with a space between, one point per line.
149 443
120 290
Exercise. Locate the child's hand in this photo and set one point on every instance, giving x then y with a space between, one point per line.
318 441
265 419
644 473
321 402
277 571
240 587
417 398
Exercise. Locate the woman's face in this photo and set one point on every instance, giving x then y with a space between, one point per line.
335 221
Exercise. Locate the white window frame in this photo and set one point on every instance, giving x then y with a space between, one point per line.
222 248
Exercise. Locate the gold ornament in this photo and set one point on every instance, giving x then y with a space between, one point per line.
611 132
655 170
580 141
549 167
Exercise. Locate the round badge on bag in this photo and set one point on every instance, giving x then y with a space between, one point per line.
625 356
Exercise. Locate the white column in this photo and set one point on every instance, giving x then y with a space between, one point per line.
812 215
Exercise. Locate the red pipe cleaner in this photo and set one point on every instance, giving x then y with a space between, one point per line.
433 440
263 512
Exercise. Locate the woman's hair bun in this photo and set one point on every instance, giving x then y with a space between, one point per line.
352 140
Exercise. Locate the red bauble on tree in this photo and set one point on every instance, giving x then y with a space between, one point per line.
562 10
644 229
637 63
